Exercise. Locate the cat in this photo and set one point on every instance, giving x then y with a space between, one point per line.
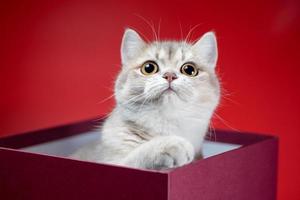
165 94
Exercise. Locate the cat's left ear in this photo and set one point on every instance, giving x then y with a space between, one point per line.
132 45
207 50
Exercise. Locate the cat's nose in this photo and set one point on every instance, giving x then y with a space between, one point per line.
170 76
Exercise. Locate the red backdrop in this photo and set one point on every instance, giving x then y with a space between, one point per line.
59 60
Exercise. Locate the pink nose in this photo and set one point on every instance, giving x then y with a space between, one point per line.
170 76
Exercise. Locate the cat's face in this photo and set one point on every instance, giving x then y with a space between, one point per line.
167 72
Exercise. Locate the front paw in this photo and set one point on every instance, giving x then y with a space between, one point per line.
171 152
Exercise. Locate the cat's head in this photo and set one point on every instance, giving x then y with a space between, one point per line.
167 71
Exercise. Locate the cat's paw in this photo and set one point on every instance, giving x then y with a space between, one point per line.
172 152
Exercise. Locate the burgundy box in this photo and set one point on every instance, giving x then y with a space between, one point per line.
248 172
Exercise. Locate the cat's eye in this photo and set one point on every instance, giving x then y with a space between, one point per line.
149 68
189 69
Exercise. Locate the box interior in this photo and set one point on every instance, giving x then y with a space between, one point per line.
66 146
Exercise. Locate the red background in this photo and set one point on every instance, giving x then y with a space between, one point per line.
59 60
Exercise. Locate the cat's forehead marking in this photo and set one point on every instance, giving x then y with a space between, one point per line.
157 55
170 52
182 55
167 54
177 52
160 54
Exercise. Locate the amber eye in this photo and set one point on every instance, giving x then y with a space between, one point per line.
149 68
189 69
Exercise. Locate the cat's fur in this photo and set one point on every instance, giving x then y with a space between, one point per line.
151 127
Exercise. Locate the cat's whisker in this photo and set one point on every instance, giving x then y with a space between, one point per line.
130 100
158 29
109 88
190 32
181 32
225 122
151 25
184 93
212 132
141 106
133 99
155 90
226 96
107 98
136 98
137 86
231 100
144 37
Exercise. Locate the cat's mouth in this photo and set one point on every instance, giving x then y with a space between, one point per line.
169 90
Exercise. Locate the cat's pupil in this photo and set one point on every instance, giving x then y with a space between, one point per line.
189 69
149 68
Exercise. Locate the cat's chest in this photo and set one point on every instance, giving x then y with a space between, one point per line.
187 124
183 120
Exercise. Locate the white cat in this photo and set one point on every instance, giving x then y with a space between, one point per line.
165 96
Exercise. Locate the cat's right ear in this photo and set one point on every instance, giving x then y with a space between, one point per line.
132 45
207 50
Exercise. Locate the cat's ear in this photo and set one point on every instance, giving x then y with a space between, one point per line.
207 49
132 45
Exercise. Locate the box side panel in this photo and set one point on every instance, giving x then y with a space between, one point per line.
31 176
243 174
46 135
242 138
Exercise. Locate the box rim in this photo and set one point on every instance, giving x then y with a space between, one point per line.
13 143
